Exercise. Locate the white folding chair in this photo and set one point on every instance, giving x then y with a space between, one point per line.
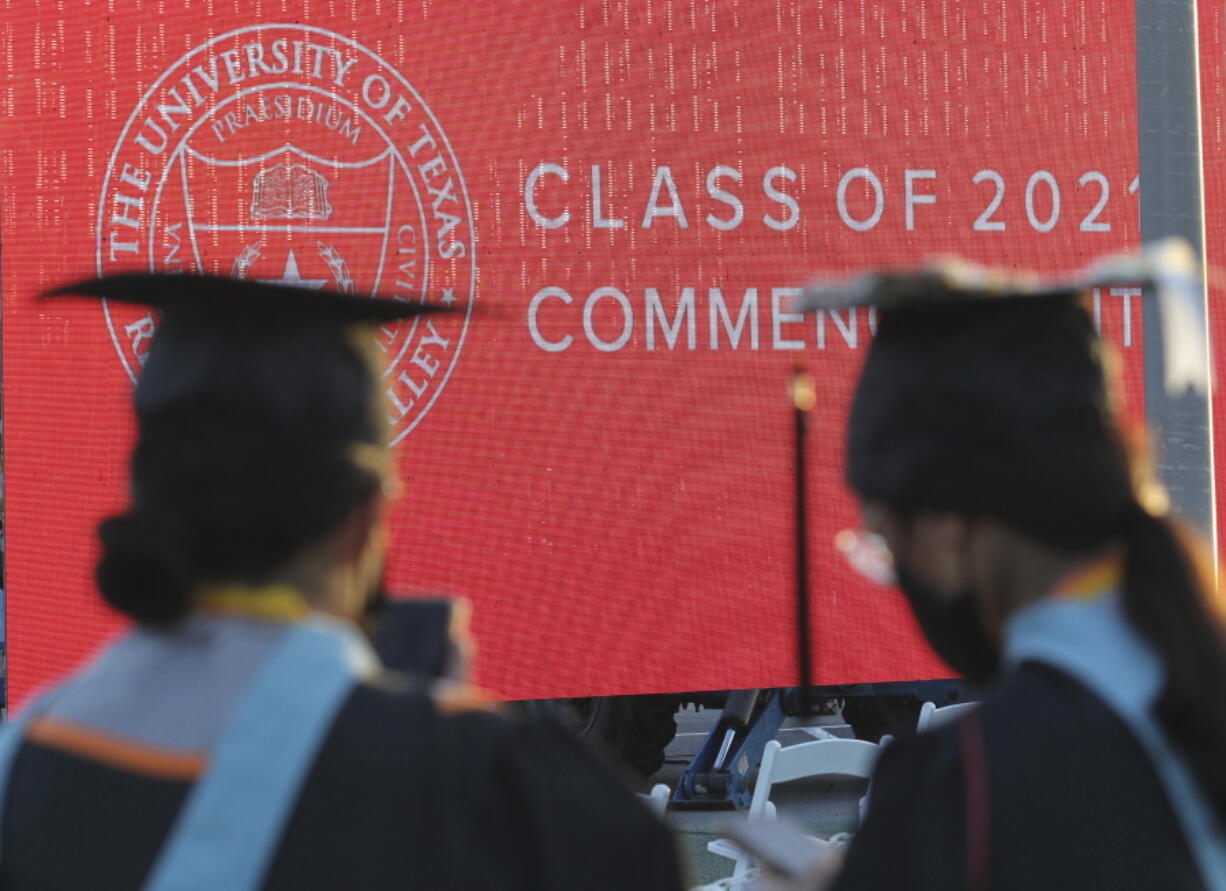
657 799
847 757
931 717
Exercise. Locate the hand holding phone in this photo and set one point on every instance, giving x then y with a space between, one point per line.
424 636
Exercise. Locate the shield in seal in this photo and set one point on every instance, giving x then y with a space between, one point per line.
293 154
307 216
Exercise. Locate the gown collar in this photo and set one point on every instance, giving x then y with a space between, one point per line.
1086 635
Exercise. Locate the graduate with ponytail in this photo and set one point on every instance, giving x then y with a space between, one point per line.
1034 547
244 735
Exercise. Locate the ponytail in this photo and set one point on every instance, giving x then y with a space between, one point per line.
1168 586
143 573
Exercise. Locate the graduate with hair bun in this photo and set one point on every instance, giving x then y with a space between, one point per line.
244 734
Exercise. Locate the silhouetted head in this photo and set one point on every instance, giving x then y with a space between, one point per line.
261 433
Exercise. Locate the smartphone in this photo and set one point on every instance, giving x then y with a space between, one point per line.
419 635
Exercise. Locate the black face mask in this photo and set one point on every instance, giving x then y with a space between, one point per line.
952 627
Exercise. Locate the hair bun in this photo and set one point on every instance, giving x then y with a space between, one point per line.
143 572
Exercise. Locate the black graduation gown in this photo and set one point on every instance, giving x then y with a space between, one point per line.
402 795
1073 802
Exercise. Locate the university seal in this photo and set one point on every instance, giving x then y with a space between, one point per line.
291 154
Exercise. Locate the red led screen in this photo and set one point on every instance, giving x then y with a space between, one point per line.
1212 36
625 196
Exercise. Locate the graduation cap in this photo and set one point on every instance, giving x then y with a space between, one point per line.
1169 267
234 346
984 391
231 303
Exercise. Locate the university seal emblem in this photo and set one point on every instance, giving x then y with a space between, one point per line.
291 154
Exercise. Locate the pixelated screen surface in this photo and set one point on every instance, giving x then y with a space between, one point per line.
623 197
1211 33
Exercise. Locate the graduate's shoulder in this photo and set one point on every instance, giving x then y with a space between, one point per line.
524 785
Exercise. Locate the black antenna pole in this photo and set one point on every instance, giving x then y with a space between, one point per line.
804 397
